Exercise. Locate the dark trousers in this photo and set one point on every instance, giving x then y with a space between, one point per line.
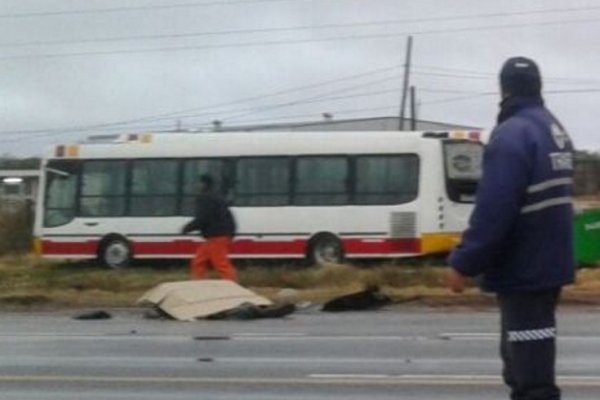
528 343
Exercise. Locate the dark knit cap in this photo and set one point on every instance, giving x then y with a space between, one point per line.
207 181
520 76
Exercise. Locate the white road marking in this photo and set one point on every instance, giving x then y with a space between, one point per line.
315 379
455 380
307 337
88 360
468 336
348 376
258 336
267 335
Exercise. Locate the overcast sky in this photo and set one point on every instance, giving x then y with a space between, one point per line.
72 68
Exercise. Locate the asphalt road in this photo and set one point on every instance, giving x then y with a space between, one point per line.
400 353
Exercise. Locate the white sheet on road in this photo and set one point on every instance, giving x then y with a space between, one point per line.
190 300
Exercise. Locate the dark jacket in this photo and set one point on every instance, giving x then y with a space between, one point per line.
213 217
520 235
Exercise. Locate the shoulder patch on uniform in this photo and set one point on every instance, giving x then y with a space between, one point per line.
559 135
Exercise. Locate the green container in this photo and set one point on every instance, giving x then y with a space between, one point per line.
587 237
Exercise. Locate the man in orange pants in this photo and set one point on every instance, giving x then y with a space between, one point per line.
216 224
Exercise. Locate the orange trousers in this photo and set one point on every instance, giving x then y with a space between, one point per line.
214 251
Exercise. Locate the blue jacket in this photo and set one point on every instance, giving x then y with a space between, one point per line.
521 231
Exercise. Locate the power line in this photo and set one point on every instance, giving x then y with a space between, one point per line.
271 121
176 114
456 72
250 111
320 99
485 94
458 98
347 111
205 109
295 41
242 2
429 90
312 100
370 94
303 101
289 29
450 75
566 91
467 96
136 8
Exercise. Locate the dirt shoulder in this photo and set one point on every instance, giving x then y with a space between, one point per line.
29 285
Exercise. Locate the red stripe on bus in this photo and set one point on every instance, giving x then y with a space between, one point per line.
175 247
68 248
250 247
385 246
244 247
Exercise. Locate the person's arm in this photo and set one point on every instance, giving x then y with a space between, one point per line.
200 218
499 200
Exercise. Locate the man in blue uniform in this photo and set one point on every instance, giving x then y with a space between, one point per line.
519 240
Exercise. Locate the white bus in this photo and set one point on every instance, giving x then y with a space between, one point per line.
323 196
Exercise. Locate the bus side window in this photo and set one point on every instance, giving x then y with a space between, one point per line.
262 181
386 179
321 181
153 188
103 188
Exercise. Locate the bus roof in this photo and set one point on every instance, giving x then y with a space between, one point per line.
230 144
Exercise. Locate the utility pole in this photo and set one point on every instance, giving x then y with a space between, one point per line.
413 110
405 84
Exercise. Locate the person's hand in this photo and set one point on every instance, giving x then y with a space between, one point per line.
455 281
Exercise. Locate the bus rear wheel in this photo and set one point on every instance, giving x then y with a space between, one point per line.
325 248
115 252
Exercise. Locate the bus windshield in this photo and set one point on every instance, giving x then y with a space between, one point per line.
61 185
463 169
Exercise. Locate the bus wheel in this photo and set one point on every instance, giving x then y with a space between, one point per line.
115 252
325 248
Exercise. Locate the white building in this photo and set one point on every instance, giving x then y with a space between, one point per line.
18 186
357 124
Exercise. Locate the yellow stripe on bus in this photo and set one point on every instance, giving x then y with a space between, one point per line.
37 247
432 243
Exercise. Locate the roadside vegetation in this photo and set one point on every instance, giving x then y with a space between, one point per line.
28 284
15 229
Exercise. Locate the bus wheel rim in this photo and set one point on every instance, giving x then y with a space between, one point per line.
328 253
116 254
